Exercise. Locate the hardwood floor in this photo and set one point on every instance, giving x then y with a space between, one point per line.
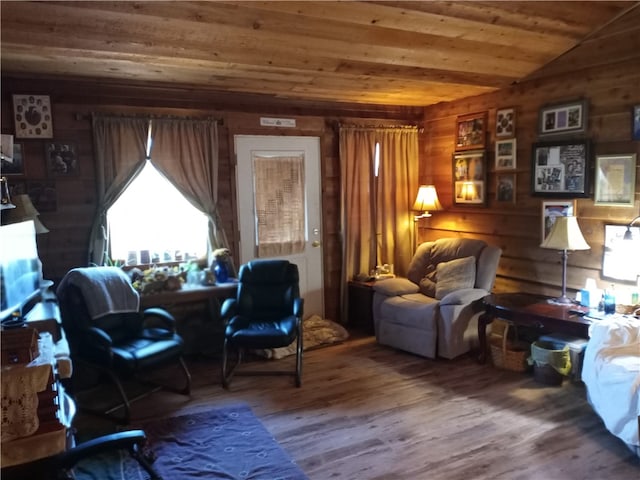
370 412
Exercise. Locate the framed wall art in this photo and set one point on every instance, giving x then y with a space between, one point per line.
43 194
506 154
635 123
61 158
506 122
553 209
32 116
506 187
471 131
615 180
560 169
563 118
469 178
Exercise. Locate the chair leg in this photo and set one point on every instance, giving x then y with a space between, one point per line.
227 373
299 356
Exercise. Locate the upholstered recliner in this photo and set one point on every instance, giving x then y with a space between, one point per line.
434 310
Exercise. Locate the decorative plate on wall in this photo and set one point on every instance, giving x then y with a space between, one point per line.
32 116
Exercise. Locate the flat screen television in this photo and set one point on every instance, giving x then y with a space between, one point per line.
20 268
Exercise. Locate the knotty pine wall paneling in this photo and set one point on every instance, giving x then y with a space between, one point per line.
73 101
611 92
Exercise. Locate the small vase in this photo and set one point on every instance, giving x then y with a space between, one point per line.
221 272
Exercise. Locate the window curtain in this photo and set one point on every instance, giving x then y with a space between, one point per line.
279 201
120 151
376 218
186 152
397 187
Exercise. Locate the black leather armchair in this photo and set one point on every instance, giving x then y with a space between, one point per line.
266 313
107 332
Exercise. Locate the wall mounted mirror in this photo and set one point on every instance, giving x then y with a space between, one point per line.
621 257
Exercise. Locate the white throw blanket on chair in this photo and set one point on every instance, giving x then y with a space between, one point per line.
105 289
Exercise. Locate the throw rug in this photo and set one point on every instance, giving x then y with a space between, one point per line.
222 443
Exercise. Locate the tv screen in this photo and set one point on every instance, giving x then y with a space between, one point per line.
20 267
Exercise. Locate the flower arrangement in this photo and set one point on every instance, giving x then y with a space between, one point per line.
157 279
221 254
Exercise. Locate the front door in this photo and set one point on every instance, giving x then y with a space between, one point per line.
278 185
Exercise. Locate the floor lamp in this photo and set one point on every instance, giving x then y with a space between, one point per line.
565 235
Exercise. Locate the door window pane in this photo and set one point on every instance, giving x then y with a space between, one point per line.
279 204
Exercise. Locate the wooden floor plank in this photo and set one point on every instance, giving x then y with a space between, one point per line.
367 412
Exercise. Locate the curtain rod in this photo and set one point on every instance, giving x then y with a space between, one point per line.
81 116
339 125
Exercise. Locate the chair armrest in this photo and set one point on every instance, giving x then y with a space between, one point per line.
159 315
298 307
114 441
229 309
463 296
394 287
98 337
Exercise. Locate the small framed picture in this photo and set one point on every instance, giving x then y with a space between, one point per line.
635 122
553 209
62 158
615 182
470 178
471 131
506 154
506 187
563 118
506 122
32 116
43 194
560 169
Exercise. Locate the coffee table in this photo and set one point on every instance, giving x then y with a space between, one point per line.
532 311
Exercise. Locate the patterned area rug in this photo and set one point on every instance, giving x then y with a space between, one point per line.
222 443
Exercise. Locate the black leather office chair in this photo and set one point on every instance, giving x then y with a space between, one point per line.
107 332
266 313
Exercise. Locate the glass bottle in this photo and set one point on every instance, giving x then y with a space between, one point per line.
609 301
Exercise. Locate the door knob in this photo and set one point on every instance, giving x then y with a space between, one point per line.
315 243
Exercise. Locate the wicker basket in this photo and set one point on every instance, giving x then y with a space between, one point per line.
507 354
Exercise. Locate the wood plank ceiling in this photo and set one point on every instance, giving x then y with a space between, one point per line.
389 53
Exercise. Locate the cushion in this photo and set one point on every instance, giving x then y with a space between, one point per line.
392 287
455 275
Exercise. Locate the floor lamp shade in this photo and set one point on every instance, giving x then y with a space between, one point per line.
565 235
24 211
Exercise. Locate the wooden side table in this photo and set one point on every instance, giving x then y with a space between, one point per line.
360 298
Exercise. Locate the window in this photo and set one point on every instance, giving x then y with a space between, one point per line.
152 222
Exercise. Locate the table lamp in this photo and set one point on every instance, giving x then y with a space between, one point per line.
565 235
24 210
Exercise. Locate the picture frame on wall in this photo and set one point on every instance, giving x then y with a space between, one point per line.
563 118
506 122
506 154
32 116
553 209
635 123
615 180
471 131
470 178
43 194
560 169
11 157
506 188
62 158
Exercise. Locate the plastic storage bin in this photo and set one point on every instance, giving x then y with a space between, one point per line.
577 347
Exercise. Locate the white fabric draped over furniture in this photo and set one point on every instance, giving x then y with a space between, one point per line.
184 150
611 373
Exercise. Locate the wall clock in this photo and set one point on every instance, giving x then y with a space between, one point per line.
32 116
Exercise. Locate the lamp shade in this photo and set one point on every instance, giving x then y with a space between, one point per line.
24 211
427 199
565 235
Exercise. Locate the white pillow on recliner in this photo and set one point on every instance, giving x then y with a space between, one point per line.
455 275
